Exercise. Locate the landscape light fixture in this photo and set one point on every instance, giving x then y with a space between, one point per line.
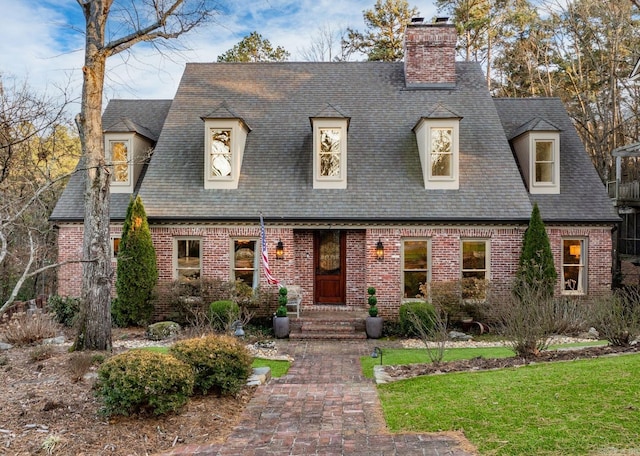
377 351
379 250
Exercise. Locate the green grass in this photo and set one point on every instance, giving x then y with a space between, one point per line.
568 408
278 368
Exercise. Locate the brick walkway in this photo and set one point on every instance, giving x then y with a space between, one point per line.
323 406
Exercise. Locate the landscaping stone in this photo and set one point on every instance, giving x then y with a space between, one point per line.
457 335
162 330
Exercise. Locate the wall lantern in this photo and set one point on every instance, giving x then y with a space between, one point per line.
279 250
379 250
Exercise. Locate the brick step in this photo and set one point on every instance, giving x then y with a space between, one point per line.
319 327
328 336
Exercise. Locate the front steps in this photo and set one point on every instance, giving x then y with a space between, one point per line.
327 325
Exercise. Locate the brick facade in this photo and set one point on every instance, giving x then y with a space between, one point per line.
363 268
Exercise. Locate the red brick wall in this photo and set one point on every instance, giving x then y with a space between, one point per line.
430 54
363 268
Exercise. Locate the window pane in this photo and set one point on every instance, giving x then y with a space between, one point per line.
329 256
412 282
188 258
220 153
245 261
544 172
330 152
572 250
474 255
441 157
544 151
441 165
415 254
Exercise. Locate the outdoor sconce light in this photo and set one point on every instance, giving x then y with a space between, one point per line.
379 250
377 351
279 250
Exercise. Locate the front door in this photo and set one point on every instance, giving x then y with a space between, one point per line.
330 267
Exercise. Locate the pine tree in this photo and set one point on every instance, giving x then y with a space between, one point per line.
536 269
137 269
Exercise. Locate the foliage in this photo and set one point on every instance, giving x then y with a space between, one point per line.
40 353
496 408
221 363
383 39
79 364
65 309
139 381
536 272
420 310
431 329
222 314
137 269
281 311
27 328
616 317
254 48
372 300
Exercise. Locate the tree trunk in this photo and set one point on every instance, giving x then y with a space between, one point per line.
94 329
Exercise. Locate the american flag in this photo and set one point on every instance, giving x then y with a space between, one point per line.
265 258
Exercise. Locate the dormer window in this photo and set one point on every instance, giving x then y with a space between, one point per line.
537 146
119 150
437 137
224 142
330 149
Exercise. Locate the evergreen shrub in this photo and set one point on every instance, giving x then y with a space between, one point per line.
424 311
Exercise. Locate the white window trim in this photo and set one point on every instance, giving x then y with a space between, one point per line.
127 138
423 138
335 182
176 275
256 259
238 140
402 268
487 257
583 281
544 187
112 243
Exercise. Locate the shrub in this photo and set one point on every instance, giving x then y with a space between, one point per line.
616 317
79 364
423 311
137 270
221 363
222 314
65 309
27 328
281 311
40 353
139 381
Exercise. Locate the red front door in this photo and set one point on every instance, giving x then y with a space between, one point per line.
329 254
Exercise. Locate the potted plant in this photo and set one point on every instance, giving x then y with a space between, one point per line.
281 320
373 324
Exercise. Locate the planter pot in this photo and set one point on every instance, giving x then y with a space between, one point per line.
373 325
281 327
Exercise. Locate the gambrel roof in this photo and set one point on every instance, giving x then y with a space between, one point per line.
385 183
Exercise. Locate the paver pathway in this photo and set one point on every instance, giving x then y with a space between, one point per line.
323 406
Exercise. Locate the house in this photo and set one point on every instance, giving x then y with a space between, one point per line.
385 174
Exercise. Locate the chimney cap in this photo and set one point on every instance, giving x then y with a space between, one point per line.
442 19
417 19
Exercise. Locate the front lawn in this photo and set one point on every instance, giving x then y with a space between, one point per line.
587 407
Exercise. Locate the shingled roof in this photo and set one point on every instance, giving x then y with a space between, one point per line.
384 175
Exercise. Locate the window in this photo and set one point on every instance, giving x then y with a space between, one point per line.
437 140
475 269
544 162
245 261
574 266
220 153
224 143
415 267
441 152
187 255
330 153
115 245
119 153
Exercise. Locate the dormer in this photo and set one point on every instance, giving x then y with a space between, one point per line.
330 127
127 148
437 135
537 148
225 135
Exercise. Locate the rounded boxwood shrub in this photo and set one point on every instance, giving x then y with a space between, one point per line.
65 309
221 363
423 310
143 381
223 313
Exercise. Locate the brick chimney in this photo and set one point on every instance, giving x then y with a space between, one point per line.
429 54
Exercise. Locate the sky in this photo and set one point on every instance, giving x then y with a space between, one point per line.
42 42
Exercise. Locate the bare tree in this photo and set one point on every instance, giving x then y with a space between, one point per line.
37 151
326 46
152 21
